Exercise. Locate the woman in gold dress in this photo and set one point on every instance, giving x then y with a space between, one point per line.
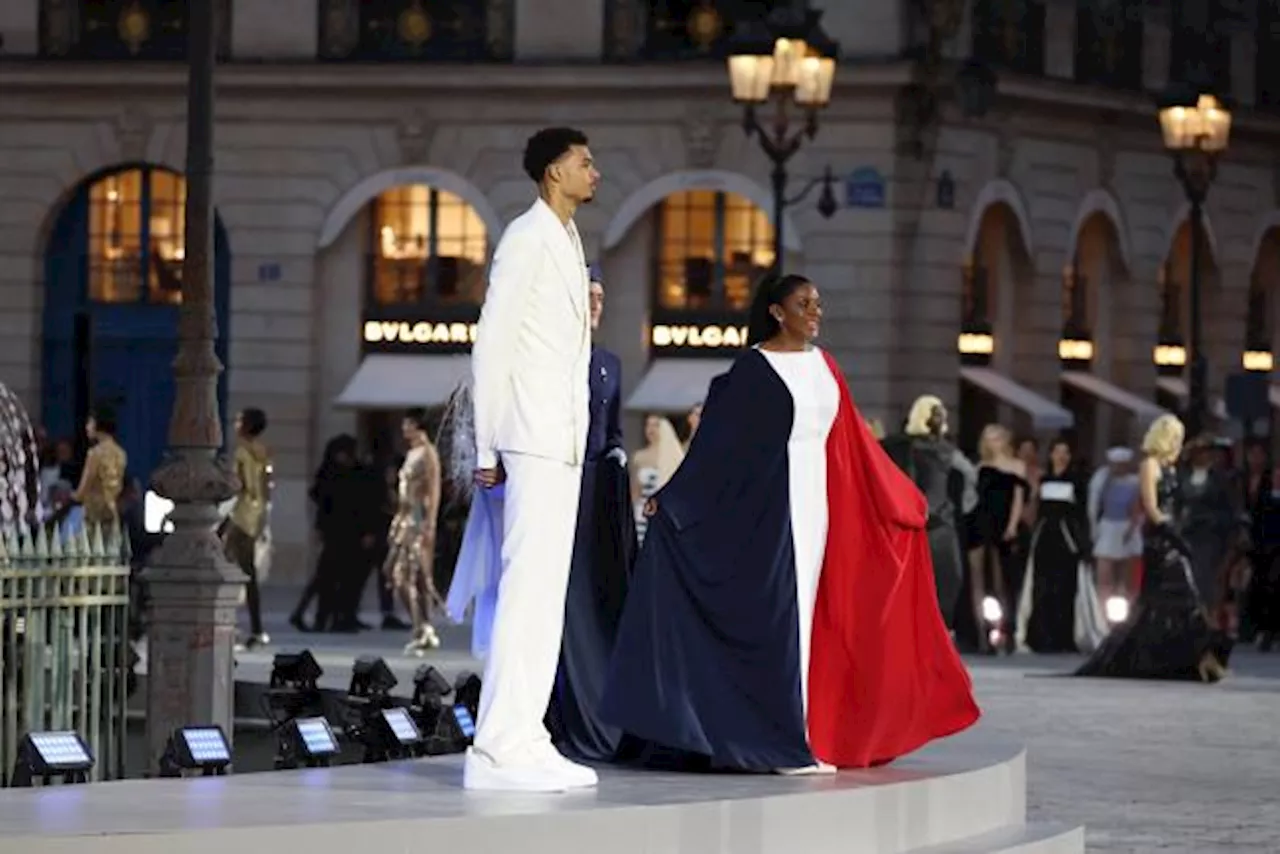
102 480
411 540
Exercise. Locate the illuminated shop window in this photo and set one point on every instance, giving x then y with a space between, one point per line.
137 237
428 246
713 248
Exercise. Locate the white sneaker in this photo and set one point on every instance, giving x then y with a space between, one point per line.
480 773
579 776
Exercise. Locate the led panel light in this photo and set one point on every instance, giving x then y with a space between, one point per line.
401 726
315 738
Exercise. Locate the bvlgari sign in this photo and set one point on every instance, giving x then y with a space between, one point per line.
420 332
700 333
437 334
711 336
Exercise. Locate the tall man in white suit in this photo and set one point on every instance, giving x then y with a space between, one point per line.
530 367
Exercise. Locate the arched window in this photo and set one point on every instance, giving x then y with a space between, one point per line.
137 237
427 247
712 249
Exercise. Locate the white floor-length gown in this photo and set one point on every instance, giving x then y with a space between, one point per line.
816 399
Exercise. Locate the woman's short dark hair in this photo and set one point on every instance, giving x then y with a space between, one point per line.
104 420
772 290
419 418
546 147
253 422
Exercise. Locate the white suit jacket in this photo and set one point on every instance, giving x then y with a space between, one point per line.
532 352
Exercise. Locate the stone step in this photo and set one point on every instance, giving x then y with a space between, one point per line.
1034 838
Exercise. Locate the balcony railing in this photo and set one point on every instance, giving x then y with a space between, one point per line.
676 29
122 29
1109 42
1010 34
416 30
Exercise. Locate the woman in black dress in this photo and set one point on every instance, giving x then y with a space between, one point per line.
1058 609
1167 635
992 537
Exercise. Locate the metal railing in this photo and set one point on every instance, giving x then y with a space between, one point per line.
64 641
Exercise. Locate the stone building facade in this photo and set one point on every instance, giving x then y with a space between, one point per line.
356 150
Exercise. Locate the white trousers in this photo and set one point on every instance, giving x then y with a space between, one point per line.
539 520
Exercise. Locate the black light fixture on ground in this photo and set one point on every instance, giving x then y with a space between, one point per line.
202 749
1197 128
787 58
374 719
307 741
293 694
49 755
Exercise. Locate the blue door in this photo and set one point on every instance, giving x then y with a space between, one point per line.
112 291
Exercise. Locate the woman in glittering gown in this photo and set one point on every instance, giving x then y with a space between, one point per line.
411 540
1167 635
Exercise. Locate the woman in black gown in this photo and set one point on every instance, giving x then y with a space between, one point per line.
1058 609
1167 635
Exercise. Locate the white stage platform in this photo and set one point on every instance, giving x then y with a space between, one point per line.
964 796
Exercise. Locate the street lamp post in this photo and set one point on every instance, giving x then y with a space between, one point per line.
784 57
1196 128
193 590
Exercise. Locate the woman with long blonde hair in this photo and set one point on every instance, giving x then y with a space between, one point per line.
1168 634
993 532
654 464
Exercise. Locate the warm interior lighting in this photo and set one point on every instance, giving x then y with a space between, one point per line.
1204 127
1170 355
976 344
1257 360
1075 350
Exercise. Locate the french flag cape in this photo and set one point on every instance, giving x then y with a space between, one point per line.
707 659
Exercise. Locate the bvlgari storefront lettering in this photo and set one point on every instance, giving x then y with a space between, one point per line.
698 336
421 332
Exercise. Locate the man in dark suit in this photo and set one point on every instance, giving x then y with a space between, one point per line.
603 550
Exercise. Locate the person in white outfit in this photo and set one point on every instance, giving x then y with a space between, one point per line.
530 370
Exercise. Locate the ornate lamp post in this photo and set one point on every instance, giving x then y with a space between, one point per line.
786 57
1196 128
194 591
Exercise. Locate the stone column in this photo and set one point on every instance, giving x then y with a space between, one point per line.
193 589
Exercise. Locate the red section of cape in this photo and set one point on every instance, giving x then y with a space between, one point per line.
884 676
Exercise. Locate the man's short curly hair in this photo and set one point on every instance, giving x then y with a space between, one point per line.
546 147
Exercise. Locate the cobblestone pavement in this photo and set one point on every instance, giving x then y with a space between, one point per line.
1146 766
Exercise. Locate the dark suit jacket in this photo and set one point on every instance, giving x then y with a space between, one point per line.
604 430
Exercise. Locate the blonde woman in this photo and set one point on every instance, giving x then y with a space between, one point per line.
993 532
1167 635
652 466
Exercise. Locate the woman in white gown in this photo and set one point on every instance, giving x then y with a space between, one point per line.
652 466
782 615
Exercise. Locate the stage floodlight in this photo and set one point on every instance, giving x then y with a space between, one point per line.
466 691
400 730
200 748
52 754
307 741
429 684
371 677
465 722
295 670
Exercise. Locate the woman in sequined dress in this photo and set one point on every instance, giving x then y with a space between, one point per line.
1167 635
411 540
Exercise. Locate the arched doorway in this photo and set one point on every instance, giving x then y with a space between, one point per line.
402 281
684 255
1104 347
113 287
996 343
1171 352
1262 324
